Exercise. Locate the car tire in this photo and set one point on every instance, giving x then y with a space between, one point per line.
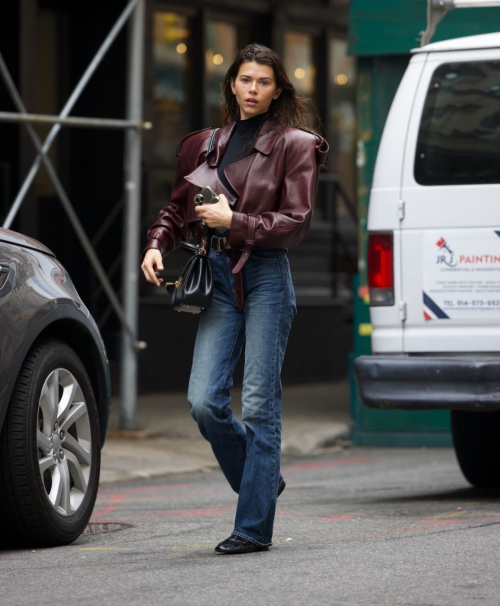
476 438
49 450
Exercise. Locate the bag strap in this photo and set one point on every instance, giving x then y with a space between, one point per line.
205 229
211 143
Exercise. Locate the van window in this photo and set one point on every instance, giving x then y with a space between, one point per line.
459 137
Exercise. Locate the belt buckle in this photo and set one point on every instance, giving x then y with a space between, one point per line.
219 247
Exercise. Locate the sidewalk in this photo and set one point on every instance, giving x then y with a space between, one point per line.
315 416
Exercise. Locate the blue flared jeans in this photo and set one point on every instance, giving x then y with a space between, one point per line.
248 452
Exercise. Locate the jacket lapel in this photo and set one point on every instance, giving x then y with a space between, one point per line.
264 143
237 173
267 137
206 175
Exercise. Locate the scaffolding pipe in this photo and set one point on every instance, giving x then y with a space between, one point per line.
89 72
74 121
68 207
476 3
133 163
437 9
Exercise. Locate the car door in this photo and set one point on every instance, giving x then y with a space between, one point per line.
450 220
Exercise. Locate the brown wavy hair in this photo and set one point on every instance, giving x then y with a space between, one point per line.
289 109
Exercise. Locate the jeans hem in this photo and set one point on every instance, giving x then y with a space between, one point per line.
244 536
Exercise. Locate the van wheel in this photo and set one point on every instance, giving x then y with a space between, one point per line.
49 450
476 437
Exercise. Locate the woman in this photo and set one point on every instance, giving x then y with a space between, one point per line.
265 170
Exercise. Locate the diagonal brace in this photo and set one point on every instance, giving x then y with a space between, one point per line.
89 72
70 211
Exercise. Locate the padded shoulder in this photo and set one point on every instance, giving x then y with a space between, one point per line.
308 130
322 146
195 138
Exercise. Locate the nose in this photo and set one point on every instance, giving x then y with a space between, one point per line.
253 87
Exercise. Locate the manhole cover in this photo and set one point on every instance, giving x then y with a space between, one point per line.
95 528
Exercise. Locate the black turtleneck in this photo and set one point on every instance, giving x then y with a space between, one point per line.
243 134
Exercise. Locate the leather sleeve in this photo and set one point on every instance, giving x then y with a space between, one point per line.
304 152
171 226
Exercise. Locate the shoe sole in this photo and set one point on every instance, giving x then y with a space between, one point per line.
242 552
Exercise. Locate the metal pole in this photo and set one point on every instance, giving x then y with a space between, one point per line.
133 164
476 3
67 108
76 121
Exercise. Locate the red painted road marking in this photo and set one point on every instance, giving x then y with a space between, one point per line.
102 512
112 501
135 498
425 525
335 518
144 489
181 513
316 465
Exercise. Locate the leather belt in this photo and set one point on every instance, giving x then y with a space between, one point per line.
249 242
237 261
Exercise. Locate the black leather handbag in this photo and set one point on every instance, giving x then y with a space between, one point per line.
192 292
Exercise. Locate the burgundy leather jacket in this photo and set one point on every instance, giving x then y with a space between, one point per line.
276 188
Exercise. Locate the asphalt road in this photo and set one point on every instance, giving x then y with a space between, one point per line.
364 527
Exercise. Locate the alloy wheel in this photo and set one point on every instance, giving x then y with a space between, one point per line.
64 441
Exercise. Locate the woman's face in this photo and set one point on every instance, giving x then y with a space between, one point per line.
255 88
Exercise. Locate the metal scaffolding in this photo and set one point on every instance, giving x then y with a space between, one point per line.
437 9
133 125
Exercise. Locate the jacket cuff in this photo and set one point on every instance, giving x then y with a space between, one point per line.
238 230
153 243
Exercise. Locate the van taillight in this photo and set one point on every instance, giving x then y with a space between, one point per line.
380 269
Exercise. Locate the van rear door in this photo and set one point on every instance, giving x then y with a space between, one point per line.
450 226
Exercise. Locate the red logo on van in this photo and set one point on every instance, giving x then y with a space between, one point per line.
446 257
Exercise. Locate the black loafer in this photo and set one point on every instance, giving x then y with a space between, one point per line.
236 544
282 486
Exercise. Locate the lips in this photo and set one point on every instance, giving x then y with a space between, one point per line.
251 101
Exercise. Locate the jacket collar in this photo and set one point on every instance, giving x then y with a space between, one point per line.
264 143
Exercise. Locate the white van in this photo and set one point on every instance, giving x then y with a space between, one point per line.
434 249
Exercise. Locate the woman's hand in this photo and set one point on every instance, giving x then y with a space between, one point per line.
216 215
151 264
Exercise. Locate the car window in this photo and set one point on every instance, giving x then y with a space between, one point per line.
459 135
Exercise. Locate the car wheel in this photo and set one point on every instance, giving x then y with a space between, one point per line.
476 437
49 450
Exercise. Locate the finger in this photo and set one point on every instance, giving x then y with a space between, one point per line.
150 274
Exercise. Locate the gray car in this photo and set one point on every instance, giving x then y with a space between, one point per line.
54 398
